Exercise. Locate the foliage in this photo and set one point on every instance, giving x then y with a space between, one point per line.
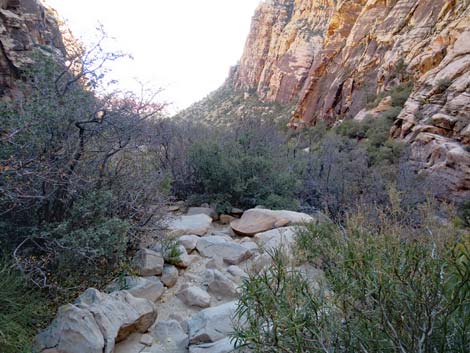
245 166
22 311
171 252
393 288
279 310
76 186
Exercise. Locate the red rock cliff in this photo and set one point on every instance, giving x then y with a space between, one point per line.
26 25
334 55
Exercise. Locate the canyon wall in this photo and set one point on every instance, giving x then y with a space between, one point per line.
26 25
333 57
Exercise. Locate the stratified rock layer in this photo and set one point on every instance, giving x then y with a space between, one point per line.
25 26
333 56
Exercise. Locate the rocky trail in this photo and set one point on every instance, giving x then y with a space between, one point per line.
187 306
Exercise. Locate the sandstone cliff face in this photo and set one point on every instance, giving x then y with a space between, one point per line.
25 25
334 55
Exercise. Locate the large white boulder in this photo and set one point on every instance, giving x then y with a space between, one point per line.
95 322
148 262
219 247
194 296
197 224
169 337
280 238
212 324
203 210
258 220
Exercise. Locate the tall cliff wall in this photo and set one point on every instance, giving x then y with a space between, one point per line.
331 56
26 25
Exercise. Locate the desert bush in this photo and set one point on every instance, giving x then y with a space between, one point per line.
393 288
354 129
244 166
76 183
22 311
279 310
239 177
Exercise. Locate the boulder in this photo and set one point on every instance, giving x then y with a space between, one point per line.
221 346
212 324
236 212
219 247
277 238
194 296
74 330
131 344
150 288
258 220
197 224
237 272
226 219
203 210
189 242
219 284
169 275
96 322
169 337
148 262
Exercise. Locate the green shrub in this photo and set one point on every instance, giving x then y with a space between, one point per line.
279 310
393 289
354 129
232 175
464 213
22 311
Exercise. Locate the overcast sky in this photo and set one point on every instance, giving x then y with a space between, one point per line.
184 46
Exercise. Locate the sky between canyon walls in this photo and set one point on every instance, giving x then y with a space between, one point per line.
183 46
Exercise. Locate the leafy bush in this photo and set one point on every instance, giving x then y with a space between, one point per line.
22 311
354 129
393 288
280 311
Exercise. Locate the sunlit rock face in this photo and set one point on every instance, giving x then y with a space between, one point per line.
285 37
332 56
26 25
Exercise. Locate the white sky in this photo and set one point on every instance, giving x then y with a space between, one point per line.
184 46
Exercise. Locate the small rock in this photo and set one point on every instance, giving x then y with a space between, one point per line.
148 262
169 275
237 271
250 245
169 337
189 242
150 288
203 210
212 324
215 264
221 346
173 208
218 247
277 238
237 212
197 224
226 219
221 285
195 296
146 340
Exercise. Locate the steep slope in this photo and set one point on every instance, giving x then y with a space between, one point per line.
26 25
334 57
